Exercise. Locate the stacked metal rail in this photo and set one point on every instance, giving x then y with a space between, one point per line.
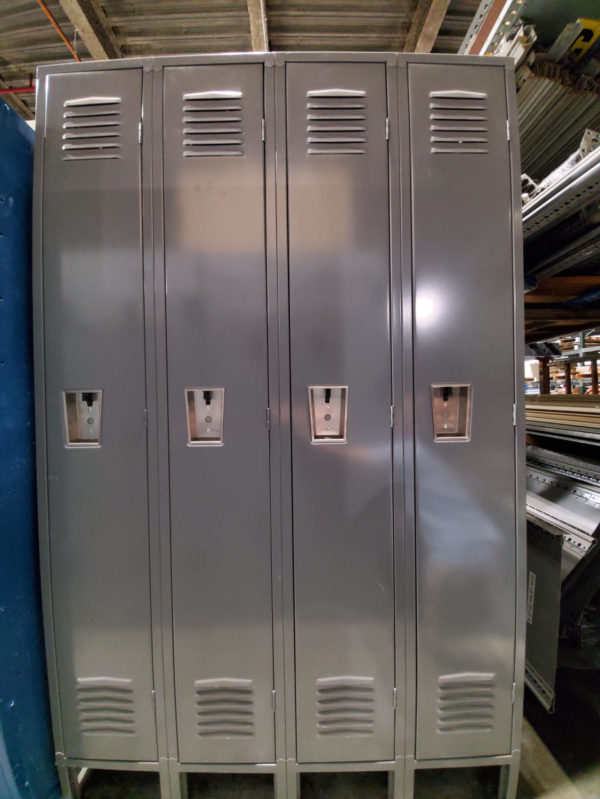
563 496
552 100
563 531
577 188
565 416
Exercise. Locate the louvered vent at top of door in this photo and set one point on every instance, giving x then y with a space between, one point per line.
458 122
336 122
213 124
91 128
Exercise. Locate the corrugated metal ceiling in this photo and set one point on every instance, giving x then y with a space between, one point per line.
158 27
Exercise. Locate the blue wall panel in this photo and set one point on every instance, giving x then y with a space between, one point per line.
26 758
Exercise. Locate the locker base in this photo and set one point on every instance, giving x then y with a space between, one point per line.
401 773
282 780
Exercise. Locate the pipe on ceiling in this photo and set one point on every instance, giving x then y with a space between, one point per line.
57 27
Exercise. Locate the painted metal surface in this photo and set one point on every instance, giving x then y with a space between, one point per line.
94 340
327 223
216 308
26 767
465 533
340 336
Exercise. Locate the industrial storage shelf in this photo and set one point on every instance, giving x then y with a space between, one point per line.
578 187
573 418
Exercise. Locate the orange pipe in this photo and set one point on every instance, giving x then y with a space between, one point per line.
59 30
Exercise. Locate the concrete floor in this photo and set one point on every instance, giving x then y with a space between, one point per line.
572 734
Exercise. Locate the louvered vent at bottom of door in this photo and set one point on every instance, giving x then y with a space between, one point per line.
458 122
224 708
106 706
213 124
336 122
91 128
345 706
466 702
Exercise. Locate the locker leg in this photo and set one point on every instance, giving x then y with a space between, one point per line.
69 784
165 780
396 781
292 781
408 781
393 785
280 778
509 779
177 782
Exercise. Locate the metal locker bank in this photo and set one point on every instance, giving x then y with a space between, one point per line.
280 480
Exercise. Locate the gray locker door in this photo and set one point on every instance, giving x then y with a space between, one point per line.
339 336
217 339
465 490
94 341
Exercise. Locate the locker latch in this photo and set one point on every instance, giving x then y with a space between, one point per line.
204 407
83 415
451 405
328 407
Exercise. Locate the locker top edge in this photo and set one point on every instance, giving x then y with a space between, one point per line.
279 58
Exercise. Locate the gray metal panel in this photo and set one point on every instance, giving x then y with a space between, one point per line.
544 551
339 329
465 500
217 336
94 338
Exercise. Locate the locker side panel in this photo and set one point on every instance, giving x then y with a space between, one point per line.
94 342
339 333
217 342
465 506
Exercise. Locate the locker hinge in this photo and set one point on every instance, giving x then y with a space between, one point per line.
153 692
514 692
273 695
387 128
268 419
508 130
514 414
395 699
262 129
146 419
391 415
140 132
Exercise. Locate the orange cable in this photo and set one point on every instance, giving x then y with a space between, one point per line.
59 30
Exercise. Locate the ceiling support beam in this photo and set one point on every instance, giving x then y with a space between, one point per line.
89 20
427 19
431 26
259 30
15 102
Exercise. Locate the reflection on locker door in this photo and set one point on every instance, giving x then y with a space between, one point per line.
95 395
465 497
219 444
340 368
